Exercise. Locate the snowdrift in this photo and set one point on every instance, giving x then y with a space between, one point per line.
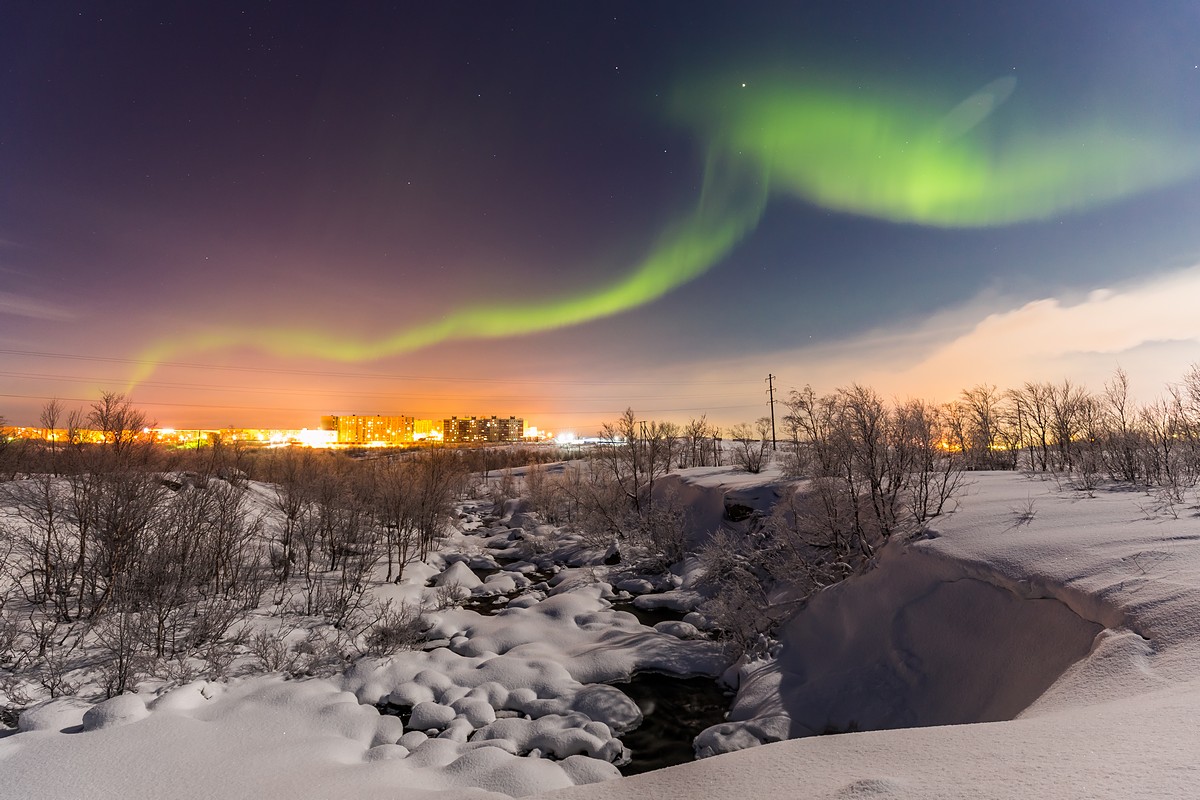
1070 622
916 642
1039 643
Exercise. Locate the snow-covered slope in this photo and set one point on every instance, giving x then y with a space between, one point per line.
974 623
1080 615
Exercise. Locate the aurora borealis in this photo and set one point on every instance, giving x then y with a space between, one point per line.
460 210
730 204
900 158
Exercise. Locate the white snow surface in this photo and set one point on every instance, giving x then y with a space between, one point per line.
1082 620
981 618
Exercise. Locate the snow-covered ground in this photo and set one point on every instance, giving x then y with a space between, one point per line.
972 623
1079 615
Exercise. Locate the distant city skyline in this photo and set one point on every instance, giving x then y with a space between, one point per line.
255 214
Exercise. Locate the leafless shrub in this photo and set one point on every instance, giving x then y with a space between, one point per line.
541 493
319 654
10 637
633 455
397 626
874 469
737 600
1024 513
271 649
662 532
699 445
16 698
750 451
504 489
123 663
449 596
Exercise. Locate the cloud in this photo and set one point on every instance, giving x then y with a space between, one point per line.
1047 334
16 305
1149 327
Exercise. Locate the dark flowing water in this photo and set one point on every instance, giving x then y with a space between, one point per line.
676 710
403 712
649 616
492 605
483 573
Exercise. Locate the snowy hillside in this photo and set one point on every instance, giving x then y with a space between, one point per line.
1078 615
969 625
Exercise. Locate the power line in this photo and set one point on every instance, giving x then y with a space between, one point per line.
332 393
612 410
771 392
363 375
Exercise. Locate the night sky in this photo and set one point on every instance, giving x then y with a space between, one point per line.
258 213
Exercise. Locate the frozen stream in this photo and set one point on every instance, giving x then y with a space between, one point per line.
531 650
676 710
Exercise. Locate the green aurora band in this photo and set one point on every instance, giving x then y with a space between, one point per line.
907 160
731 203
887 156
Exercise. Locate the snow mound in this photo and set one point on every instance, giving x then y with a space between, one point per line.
120 710
913 643
53 715
609 705
431 716
269 737
1077 631
680 630
557 736
458 574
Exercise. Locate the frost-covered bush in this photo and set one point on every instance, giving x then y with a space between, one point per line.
750 445
736 584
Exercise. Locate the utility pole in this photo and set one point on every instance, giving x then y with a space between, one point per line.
771 393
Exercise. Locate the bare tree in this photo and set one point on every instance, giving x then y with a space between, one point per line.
1166 424
983 440
1033 410
436 478
52 414
9 453
672 436
750 445
694 434
293 472
1066 404
394 512
127 506
122 425
1124 439
936 470
45 565
878 445
633 454
1090 442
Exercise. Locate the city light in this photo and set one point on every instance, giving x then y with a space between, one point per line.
472 431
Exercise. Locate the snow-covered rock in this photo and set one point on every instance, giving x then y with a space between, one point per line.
458 574
680 630
430 716
1078 633
119 710
54 715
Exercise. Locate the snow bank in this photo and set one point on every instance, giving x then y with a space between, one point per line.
913 643
458 574
120 710
1082 622
261 737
